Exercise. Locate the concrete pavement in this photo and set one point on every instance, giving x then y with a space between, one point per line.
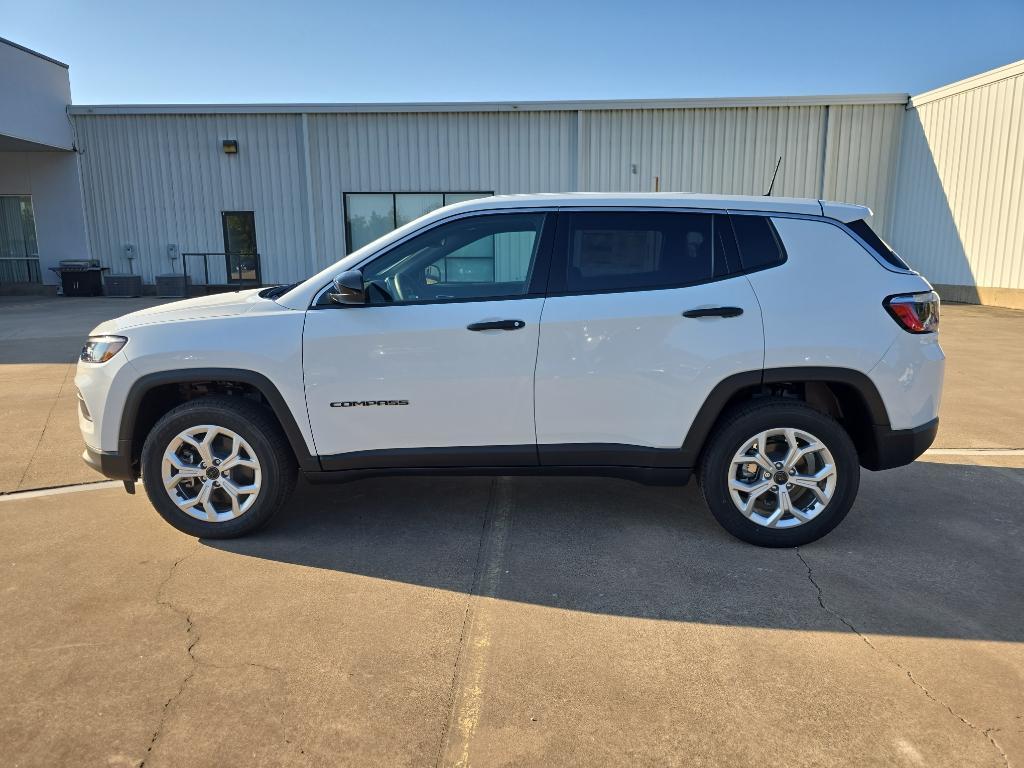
513 621
518 621
40 338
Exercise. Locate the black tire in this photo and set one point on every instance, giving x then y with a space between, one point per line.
257 426
769 413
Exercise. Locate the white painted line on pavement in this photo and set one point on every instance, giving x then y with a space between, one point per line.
974 452
23 495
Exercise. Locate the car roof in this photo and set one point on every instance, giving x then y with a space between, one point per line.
800 205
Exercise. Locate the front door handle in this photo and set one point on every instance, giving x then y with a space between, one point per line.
497 325
714 312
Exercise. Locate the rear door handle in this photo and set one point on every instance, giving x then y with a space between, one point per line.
497 325
714 312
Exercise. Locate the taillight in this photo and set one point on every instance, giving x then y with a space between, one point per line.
915 312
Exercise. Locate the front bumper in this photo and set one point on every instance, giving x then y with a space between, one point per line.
117 465
897 447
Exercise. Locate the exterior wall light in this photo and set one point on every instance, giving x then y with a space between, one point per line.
230 146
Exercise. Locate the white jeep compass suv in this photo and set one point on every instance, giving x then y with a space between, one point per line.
772 346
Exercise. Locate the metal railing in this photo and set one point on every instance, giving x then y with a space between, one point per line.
20 269
236 269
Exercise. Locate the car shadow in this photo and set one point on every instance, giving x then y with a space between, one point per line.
929 550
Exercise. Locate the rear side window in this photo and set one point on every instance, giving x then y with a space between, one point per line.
864 231
635 250
759 243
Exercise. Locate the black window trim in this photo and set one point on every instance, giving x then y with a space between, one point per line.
557 209
394 206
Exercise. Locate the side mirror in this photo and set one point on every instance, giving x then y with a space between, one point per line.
349 288
432 274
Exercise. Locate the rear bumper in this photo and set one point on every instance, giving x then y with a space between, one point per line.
115 465
897 447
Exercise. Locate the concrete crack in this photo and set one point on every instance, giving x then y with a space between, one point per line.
193 638
985 732
46 425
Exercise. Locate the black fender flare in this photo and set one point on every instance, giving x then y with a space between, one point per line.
144 384
728 387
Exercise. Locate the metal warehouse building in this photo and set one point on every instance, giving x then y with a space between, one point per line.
302 185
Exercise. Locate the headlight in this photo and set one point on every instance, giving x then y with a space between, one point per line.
99 349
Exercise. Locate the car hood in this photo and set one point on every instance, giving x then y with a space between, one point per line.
217 305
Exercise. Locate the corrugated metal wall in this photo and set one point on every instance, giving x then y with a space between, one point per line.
157 179
503 152
840 152
959 209
721 151
861 157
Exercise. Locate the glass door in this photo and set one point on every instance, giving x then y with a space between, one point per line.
241 256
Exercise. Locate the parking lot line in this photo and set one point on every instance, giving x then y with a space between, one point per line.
99 485
974 452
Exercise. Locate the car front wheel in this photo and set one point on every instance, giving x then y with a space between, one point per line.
778 473
217 467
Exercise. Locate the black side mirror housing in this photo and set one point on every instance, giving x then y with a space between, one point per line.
349 288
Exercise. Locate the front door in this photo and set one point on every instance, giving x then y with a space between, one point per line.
437 369
241 258
622 370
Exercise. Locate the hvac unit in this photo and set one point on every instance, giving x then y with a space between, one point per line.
172 285
125 286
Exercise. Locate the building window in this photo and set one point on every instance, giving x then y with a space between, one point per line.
369 215
19 253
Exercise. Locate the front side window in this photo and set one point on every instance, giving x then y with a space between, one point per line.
489 256
640 250
369 215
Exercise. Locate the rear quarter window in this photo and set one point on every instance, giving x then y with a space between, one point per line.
864 231
759 244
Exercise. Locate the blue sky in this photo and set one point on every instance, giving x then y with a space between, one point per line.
220 51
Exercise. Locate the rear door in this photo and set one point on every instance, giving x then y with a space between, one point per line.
621 369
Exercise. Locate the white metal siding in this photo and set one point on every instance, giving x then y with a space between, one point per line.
157 180
154 179
959 209
861 157
500 152
719 151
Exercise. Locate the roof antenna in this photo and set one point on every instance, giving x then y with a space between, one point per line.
772 185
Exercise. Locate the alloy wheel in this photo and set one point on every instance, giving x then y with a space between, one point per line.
782 478
211 473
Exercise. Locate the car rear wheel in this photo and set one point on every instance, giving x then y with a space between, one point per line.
778 473
217 467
